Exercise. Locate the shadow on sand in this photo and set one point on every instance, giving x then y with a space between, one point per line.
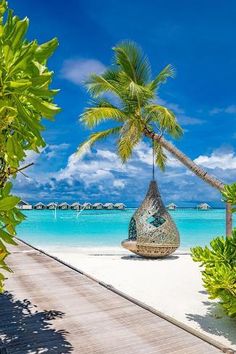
139 258
23 329
215 321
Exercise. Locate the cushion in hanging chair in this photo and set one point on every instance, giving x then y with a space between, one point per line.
152 232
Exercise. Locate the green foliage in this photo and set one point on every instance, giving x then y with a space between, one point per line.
219 262
229 195
25 98
126 94
219 275
10 217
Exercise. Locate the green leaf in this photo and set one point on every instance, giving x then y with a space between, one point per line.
6 237
8 203
46 109
19 32
22 83
85 146
45 50
7 188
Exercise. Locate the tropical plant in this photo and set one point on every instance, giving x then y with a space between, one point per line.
229 195
126 95
219 262
25 97
219 274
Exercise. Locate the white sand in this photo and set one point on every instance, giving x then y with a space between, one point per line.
172 286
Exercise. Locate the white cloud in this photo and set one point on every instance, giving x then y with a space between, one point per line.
106 154
186 120
118 183
53 150
100 176
78 70
218 159
99 167
229 109
104 170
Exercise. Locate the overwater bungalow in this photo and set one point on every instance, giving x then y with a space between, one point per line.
75 206
24 205
39 206
171 206
87 206
204 206
120 206
52 205
97 206
108 206
64 206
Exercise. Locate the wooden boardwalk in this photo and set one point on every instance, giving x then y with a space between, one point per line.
50 308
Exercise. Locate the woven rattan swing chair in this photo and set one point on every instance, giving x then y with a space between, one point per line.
152 232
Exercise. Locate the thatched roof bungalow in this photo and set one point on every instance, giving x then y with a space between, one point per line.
64 206
171 206
52 205
120 206
204 206
75 206
24 205
87 206
97 206
108 206
39 206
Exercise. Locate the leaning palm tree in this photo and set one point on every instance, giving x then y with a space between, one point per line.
126 95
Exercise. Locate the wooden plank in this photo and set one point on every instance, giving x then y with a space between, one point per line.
50 307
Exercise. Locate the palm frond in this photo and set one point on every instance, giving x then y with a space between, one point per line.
92 116
161 78
86 145
97 85
165 118
129 57
129 80
130 135
160 156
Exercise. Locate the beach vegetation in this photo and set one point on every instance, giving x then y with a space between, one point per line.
25 98
219 262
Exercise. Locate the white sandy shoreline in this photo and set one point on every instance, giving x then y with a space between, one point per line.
172 285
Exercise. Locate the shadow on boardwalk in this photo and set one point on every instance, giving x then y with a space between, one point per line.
23 329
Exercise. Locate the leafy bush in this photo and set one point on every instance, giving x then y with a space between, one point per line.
25 98
219 262
219 275
229 195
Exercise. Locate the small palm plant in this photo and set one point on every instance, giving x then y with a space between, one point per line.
126 95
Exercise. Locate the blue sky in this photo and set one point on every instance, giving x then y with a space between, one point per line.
196 37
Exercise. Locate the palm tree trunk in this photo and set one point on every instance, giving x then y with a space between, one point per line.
229 221
198 171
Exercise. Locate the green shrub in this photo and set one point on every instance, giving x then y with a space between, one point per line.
229 195
219 262
25 98
219 274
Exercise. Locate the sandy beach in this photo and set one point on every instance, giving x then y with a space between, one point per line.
172 285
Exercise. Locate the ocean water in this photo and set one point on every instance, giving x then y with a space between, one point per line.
95 228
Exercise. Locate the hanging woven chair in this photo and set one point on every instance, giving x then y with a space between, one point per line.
152 232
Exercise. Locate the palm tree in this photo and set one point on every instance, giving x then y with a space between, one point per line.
126 95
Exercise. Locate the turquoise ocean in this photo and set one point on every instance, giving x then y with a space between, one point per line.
107 228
